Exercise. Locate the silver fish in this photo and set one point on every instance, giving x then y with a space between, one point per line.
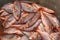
9 21
16 10
55 36
26 18
4 15
10 37
8 7
24 38
46 23
32 27
53 20
39 7
41 27
27 7
12 31
45 36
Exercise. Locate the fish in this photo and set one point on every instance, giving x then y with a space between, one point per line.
24 38
47 24
26 18
45 36
54 20
32 27
8 7
30 22
16 10
9 21
4 15
27 7
27 28
12 31
10 37
41 27
55 36
39 7
31 35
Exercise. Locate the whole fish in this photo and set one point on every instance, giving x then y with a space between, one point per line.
46 23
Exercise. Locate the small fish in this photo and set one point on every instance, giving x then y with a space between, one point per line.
12 31
53 20
31 35
24 38
41 27
9 21
55 36
36 7
27 7
47 10
46 23
8 7
26 18
4 15
16 10
39 7
33 26
45 36
10 37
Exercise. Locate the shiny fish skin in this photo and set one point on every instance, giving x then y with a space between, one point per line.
27 29
23 20
32 27
10 37
24 38
46 23
47 10
31 35
12 31
53 19
9 21
45 36
34 19
55 36
17 10
27 7
41 27
27 18
30 22
38 7
4 15
8 7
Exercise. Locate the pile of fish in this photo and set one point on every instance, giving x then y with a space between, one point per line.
25 20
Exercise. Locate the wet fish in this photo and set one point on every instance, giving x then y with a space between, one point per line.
12 31
16 10
8 7
10 37
26 18
9 21
53 20
46 23
39 7
45 36
33 26
24 38
4 15
27 7
41 28
55 36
